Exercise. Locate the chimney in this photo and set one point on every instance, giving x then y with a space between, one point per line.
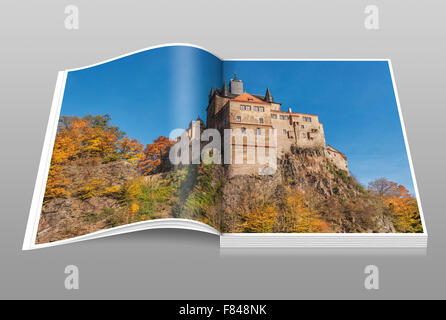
289 110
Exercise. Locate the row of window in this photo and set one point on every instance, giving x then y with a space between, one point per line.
239 119
281 117
303 134
273 115
258 131
255 108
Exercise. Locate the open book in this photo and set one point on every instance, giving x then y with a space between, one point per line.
262 153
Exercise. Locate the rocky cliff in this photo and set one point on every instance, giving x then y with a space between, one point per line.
93 198
334 200
307 193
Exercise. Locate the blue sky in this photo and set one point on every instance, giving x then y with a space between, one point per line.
150 93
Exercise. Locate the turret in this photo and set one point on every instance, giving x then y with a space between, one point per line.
224 90
211 94
268 96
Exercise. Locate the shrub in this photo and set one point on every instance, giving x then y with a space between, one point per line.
112 192
89 190
110 158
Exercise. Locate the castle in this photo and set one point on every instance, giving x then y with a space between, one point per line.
233 108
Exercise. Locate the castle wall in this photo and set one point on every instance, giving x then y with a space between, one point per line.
259 117
215 107
250 137
297 129
337 158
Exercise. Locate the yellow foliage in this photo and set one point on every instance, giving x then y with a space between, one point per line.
405 212
260 219
295 216
133 189
134 208
299 218
112 191
402 206
91 136
90 189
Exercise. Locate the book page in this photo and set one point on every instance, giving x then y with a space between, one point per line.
108 145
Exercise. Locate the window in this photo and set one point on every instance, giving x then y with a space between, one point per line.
242 107
274 116
303 135
261 109
248 108
284 131
284 117
258 132
307 119
302 127
239 119
243 130
256 108
261 120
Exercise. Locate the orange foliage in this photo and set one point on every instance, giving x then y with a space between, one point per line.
130 150
402 206
260 219
154 155
90 136
299 218
404 209
294 216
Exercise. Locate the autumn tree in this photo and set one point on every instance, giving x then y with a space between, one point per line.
130 150
382 187
402 206
298 217
56 182
259 219
86 137
155 156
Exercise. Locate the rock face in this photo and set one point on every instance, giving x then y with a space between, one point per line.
339 199
83 212
328 196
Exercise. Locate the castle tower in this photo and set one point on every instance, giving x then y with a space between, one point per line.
236 85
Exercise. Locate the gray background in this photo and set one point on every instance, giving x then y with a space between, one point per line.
179 264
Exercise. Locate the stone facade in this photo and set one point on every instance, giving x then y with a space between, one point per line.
252 119
337 158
